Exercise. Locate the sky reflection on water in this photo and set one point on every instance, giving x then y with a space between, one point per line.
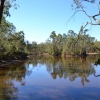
51 79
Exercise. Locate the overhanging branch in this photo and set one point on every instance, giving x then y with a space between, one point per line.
78 11
80 6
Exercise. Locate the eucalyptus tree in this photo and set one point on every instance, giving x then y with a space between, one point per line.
48 45
28 47
5 5
54 46
78 44
64 40
6 30
11 42
53 36
72 40
1 9
19 41
59 43
4 8
69 46
34 47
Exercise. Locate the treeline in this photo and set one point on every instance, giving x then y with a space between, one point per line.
13 44
70 44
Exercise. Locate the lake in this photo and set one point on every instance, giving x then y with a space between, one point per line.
48 78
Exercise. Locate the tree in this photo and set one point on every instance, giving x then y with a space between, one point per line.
79 6
34 47
4 8
54 46
12 43
1 9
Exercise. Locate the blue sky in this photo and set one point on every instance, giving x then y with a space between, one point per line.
38 18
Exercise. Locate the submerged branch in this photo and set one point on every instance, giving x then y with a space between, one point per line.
96 75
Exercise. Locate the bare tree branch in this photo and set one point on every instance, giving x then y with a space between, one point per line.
79 5
78 11
93 23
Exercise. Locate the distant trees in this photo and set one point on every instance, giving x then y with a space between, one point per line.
13 44
70 44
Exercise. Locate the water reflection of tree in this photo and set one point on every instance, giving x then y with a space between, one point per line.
70 68
97 62
8 76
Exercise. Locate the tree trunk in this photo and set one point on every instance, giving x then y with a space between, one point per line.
1 9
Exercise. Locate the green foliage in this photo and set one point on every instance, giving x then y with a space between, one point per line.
5 5
11 42
69 44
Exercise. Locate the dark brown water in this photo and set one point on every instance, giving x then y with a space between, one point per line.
42 78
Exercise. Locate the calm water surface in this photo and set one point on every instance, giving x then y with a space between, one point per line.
44 78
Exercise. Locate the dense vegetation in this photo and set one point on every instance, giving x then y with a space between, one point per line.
67 44
11 42
13 45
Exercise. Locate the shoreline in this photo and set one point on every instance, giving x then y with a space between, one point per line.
7 62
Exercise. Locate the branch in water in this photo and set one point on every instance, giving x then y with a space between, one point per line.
96 75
